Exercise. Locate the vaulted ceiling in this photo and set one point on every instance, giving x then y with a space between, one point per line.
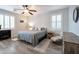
39 8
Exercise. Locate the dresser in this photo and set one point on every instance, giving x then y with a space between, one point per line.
70 43
5 34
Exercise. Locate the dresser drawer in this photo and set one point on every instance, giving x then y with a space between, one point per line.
4 34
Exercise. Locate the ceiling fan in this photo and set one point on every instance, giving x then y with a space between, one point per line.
26 10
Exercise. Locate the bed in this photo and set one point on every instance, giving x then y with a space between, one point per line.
32 36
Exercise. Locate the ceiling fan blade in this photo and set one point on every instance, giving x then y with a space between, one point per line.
30 13
33 10
22 12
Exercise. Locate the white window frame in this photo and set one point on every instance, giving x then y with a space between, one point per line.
56 29
9 21
13 24
3 21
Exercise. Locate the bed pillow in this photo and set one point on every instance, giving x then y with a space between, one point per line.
43 28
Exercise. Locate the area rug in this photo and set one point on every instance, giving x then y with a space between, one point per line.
46 46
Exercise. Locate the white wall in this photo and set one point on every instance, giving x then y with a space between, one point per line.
18 26
45 19
73 27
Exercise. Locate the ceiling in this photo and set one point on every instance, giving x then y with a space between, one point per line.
40 8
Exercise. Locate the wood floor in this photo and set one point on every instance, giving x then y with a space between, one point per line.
9 46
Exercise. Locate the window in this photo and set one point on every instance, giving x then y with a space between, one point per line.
12 22
7 21
56 22
1 21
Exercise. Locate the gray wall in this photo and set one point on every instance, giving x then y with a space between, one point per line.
73 27
45 19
